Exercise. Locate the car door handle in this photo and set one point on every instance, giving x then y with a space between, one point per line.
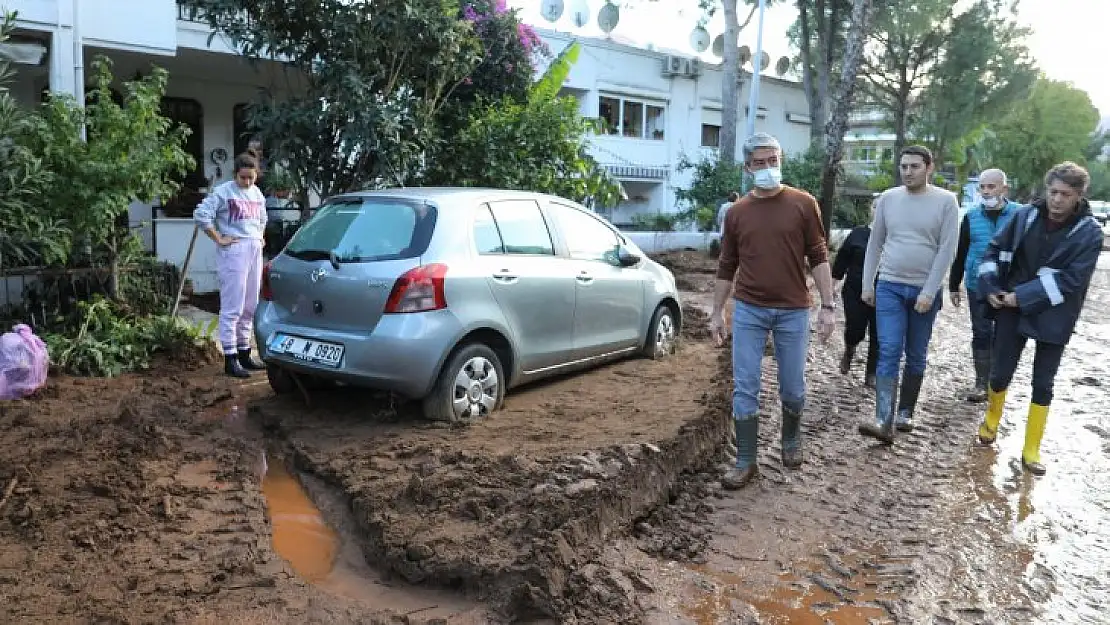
585 278
505 276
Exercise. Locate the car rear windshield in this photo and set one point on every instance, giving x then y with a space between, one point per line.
359 230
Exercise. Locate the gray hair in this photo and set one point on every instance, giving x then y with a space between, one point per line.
757 141
998 173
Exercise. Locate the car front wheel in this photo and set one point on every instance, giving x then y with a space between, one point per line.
470 386
662 338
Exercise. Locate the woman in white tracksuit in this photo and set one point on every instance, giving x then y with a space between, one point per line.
234 216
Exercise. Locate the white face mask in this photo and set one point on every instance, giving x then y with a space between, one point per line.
990 202
768 179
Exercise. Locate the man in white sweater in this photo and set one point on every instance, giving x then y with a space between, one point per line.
913 241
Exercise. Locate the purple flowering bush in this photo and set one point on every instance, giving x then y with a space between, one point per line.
509 48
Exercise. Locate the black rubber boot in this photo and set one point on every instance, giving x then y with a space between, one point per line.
982 376
248 362
846 359
791 438
882 427
233 368
907 402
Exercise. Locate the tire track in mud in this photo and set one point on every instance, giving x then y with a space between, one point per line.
839 539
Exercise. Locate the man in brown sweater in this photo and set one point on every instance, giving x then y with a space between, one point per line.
768 236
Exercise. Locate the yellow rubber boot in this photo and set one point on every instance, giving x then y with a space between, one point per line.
996 401
1034 431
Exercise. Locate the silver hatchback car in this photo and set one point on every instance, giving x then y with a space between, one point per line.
453 295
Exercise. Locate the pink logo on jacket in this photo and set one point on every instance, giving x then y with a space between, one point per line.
244 210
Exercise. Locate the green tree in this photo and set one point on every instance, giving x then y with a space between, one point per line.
28 235
538 145
1052 125
1100 181
377 74
984 67
133 153
904 46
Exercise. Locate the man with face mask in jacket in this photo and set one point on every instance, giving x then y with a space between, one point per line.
768 236
982 221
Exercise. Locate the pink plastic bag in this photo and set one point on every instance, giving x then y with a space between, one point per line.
23 363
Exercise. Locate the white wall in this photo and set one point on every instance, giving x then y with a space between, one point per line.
612 69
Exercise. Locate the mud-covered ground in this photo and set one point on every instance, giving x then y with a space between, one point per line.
589 499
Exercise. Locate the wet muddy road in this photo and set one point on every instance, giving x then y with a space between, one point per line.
180 497
935 530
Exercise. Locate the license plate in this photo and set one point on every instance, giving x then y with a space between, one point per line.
309 350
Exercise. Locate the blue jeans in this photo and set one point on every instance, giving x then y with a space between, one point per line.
982 326
902 328
789 328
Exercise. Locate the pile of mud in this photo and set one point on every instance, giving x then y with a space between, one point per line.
518 525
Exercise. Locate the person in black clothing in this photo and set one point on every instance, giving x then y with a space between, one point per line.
1035 275
859 318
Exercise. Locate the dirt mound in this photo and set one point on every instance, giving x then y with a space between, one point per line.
129 503
511 508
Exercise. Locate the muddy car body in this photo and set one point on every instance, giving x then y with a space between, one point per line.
451 296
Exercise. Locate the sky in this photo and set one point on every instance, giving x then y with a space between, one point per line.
1068 40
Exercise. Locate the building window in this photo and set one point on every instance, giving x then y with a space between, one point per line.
710 136
609 109
655 123
888 154
189 113
240 129
632 118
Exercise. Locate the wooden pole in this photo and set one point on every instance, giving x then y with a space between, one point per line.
188 259
184 271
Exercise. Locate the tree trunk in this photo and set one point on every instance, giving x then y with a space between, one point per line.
899 135
730 92
841 105
816 105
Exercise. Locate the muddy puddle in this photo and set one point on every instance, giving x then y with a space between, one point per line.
313 532
795 599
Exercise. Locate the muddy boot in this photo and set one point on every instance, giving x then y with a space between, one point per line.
982 374
747 448
846 359
907 402
233 368
791 437
869 380
1034 431
882 428
248 362
988 430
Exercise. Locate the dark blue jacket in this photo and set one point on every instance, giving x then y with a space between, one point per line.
1050 303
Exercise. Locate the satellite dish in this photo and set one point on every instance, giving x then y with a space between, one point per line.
552 10
783 65
744 55
719 46
764 61
580 12
699 39
608 17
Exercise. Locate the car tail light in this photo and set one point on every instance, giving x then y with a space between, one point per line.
266 293
418 290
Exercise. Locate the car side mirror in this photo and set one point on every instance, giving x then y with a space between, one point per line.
627 258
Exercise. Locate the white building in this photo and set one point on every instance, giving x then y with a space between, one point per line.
656 114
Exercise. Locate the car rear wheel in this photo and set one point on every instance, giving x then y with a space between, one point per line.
470 386
281 381
662 338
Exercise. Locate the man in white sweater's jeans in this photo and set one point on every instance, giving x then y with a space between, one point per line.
913 241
